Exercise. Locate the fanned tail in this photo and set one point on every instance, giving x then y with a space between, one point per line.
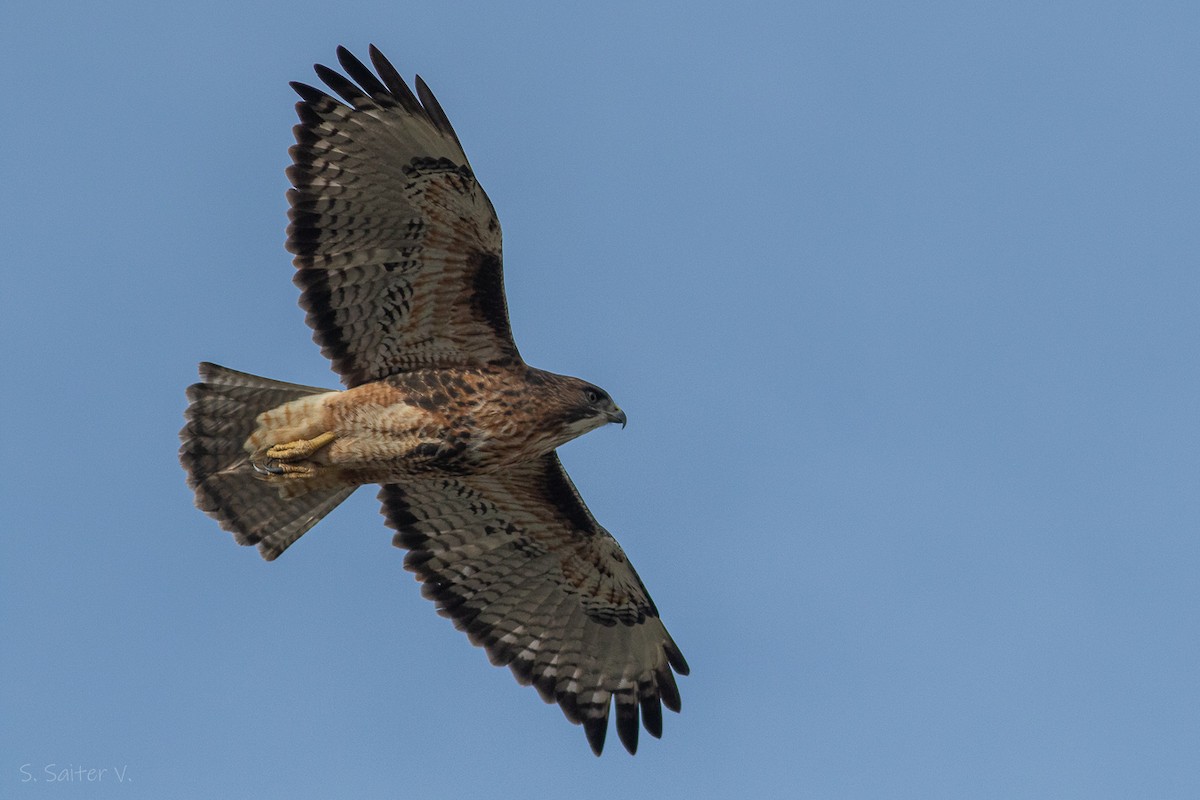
221 413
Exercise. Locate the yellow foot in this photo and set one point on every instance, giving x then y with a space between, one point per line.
299 449
278 461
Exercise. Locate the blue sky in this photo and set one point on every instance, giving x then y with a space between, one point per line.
901 300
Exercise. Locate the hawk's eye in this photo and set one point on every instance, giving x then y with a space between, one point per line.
592 395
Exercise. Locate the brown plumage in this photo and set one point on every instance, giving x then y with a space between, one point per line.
398 258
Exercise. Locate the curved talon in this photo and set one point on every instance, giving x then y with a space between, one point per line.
265 469
272 468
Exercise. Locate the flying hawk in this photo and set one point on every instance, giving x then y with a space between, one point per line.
398 259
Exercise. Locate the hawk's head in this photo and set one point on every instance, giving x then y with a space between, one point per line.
597 406
575 406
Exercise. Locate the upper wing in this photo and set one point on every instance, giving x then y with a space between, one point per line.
519 563
397 246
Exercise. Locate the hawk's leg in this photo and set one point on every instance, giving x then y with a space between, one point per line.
278 460
299 449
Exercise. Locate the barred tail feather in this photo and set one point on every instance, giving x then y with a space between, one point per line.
221 414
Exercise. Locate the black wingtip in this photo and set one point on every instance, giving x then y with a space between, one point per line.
359 73
676 659
596 728
340 84
627 725
394 81
309 94
433 109
668 690
652 715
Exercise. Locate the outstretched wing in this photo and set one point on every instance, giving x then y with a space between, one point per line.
397 247
521 565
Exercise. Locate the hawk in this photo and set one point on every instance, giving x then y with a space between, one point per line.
398 260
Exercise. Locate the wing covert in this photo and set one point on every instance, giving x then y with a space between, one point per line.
517 561
397 247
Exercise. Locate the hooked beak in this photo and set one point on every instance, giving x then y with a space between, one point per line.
617 415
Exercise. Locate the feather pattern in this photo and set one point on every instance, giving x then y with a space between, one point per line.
517 561
397 247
